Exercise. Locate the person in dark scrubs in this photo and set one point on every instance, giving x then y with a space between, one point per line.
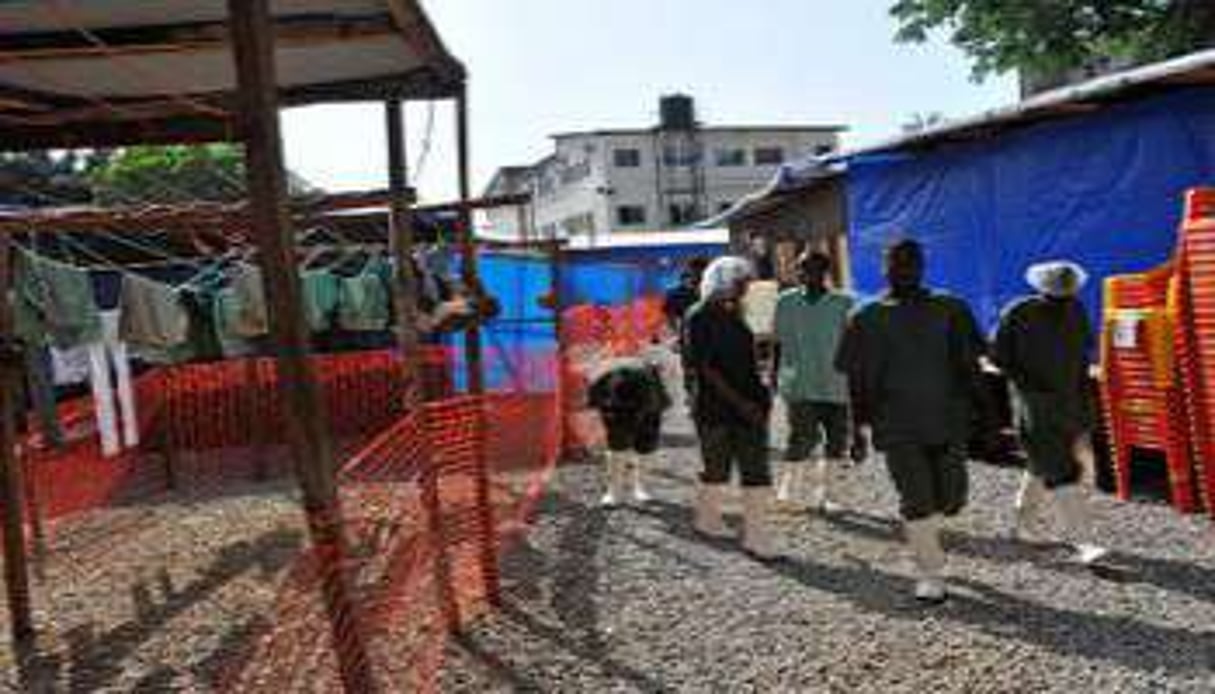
1043 344
731 404
630 397
912 362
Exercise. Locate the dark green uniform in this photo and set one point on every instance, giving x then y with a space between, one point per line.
721 340
1042 345
912 365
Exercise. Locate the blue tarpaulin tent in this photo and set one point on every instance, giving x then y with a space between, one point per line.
1103 188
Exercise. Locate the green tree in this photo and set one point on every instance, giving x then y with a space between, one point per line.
1046 37
170 174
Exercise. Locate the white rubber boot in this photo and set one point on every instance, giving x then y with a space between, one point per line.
708 511
1073 509
613 478
924 538
757 531
820 494
1028 506
640 495
790 484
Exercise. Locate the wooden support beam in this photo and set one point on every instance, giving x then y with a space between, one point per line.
307 426
475 359
16 565
400 243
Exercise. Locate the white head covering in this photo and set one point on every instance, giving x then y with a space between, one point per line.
722 274
1057 278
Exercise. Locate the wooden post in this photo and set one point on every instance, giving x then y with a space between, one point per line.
400 242
474 357
16 567
468 247
307 428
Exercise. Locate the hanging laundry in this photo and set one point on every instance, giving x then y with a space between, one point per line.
152 314
117 424
240 312
54 300
40 388
320 289
363 301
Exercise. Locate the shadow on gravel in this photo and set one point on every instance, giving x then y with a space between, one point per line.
1120 567
1131 643
572 579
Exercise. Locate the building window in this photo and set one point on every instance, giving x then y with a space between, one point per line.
769 156
630 215
731 157
677 155
626 158
579 224
681 213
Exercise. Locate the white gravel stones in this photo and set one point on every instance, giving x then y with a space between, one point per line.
633 600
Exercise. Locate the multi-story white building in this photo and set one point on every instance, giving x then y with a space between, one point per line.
665 177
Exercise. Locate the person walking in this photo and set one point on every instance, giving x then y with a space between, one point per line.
912 361
730 404
1042 345
810 321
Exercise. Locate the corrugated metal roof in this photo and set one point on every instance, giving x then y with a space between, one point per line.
103 72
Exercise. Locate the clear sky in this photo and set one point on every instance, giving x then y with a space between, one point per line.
543 66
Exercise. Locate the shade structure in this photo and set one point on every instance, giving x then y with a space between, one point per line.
89 73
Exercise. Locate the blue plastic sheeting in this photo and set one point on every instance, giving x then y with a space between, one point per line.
1104 189
605 277
613 276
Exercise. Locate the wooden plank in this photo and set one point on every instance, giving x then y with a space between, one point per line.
16 565
400 242
475 363
307 426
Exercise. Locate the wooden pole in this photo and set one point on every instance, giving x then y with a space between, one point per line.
307 428
400 242
16 566
475 360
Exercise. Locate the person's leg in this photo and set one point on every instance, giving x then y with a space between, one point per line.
645 445
832 419
1052 456
1068 491
616 458
750 445
715 456
910 468
1028 505
798 450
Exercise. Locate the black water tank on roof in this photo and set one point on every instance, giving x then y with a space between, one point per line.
677 112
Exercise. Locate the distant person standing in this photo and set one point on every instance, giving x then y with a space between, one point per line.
810 322
730 405
682 296
1042 345
912 360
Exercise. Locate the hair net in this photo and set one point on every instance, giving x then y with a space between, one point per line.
1057 278
722 274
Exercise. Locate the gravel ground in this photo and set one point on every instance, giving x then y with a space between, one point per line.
156 597
633 600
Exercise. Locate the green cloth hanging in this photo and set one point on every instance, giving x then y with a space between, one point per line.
363 300
321 290
53 302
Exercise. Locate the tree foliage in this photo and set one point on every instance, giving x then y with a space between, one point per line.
1053 36
172 174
